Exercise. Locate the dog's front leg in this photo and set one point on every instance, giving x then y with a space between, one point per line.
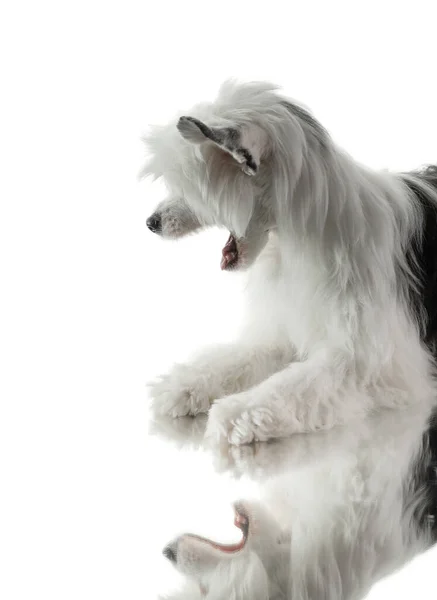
305 396
190 389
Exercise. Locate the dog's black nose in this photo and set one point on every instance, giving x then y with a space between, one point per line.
154 223
170 553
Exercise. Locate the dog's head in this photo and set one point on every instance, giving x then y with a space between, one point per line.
250 569
227 163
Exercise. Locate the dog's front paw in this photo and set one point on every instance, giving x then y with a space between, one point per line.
180 393
234 420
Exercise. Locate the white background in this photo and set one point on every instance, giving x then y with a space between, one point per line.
93 305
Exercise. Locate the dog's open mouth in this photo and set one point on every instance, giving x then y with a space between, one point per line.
241 520
230 254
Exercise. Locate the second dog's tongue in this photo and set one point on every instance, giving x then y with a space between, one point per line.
229 253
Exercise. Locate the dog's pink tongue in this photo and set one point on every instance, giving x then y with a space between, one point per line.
227 259
229 253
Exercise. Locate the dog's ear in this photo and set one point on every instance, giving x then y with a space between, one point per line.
245 144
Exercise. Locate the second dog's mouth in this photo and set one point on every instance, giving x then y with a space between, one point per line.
230 254
241 520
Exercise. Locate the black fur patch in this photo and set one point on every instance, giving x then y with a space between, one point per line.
248 159
423 254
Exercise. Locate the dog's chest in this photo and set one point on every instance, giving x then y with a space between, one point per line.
289 303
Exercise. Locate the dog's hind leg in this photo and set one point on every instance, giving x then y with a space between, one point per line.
190 389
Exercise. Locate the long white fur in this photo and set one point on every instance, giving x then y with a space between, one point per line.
328 335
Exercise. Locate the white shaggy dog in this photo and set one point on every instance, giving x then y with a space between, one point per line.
341 276
341 322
